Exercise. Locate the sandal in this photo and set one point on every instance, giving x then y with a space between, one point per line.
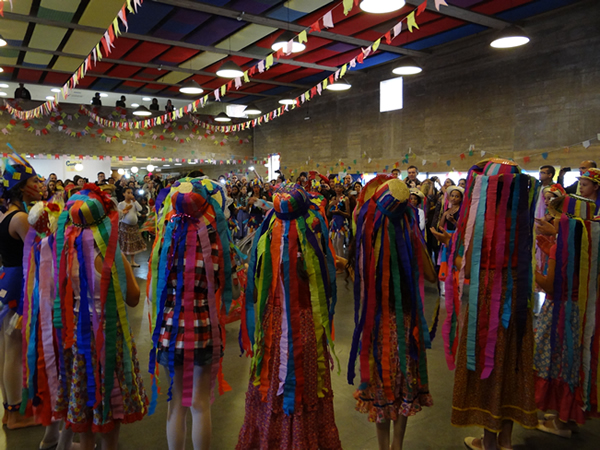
135 265
554 429
470 443
574 429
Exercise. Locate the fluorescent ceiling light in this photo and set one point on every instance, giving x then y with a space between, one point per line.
142 111
407 66
282 42
191 87
252 109
287 101
55 90
230 69
103 95
381 6
222 117
510 37
339 85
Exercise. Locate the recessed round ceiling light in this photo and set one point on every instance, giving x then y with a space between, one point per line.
3 94
134 105
146 99
49 97
103 95
3 85
287 101
55 90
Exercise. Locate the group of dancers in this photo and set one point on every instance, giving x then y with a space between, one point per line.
66 287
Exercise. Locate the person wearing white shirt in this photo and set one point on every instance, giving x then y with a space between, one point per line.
130 238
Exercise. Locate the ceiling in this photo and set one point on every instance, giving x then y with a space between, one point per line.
171 41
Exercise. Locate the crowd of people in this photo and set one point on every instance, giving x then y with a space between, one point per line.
68 353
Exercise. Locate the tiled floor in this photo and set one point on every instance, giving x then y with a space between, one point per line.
430 429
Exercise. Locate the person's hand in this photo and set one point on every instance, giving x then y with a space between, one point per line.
252 200
450 218
542 226
443 237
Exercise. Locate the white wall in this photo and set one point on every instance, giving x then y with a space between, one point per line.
64 167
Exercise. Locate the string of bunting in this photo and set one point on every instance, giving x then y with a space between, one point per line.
103 48
57 121
261 66
210 160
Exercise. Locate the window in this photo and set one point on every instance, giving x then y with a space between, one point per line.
390 94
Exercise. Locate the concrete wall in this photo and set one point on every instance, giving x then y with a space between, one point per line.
514 103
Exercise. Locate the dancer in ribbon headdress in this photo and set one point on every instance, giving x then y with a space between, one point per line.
19 187
338 213
391 336
493 383
190 276
42 353
100 386
567 338
286 329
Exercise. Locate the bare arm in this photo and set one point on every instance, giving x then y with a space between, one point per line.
546 282
428 269
133 290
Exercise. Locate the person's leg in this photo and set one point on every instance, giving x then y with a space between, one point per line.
201 419
490 440
383 435
51 435
65 441
110 440
87 440
12 374
176 414
2 387
399 430
505 436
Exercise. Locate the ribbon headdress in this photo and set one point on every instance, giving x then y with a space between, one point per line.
576 288
388 272
189 214
497 212
16 170
40 359
89 227
293 237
